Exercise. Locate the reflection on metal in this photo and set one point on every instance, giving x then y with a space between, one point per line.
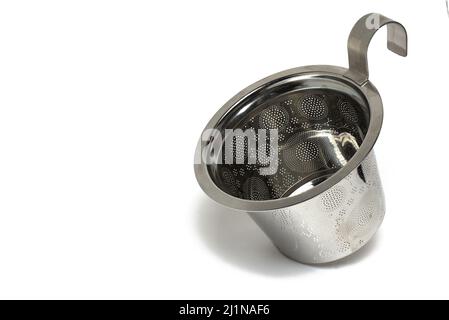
325 200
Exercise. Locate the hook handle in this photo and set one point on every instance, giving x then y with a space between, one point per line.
360 38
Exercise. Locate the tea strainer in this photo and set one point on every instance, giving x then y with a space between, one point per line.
322 200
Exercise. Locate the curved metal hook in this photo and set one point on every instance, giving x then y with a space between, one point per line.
360 38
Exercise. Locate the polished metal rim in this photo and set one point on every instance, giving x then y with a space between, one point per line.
374 103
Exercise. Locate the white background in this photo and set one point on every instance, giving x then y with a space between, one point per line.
101 106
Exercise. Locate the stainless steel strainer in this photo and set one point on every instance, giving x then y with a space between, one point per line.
323 199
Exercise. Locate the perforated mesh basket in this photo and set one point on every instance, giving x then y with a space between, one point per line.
322 198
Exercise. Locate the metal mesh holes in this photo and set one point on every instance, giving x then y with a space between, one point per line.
333 199
313 107
274 117
229 182
302 154
347 111
255 188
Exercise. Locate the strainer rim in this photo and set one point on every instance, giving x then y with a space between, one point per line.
374 103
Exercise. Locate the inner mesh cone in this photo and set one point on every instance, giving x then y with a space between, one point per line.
318 131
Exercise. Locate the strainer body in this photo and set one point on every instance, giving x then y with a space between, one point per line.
333 224
323 198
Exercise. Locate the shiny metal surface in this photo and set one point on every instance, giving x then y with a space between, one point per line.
360 38
318 135
332 225
324 199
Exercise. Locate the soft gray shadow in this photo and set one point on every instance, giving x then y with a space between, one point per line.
236 239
